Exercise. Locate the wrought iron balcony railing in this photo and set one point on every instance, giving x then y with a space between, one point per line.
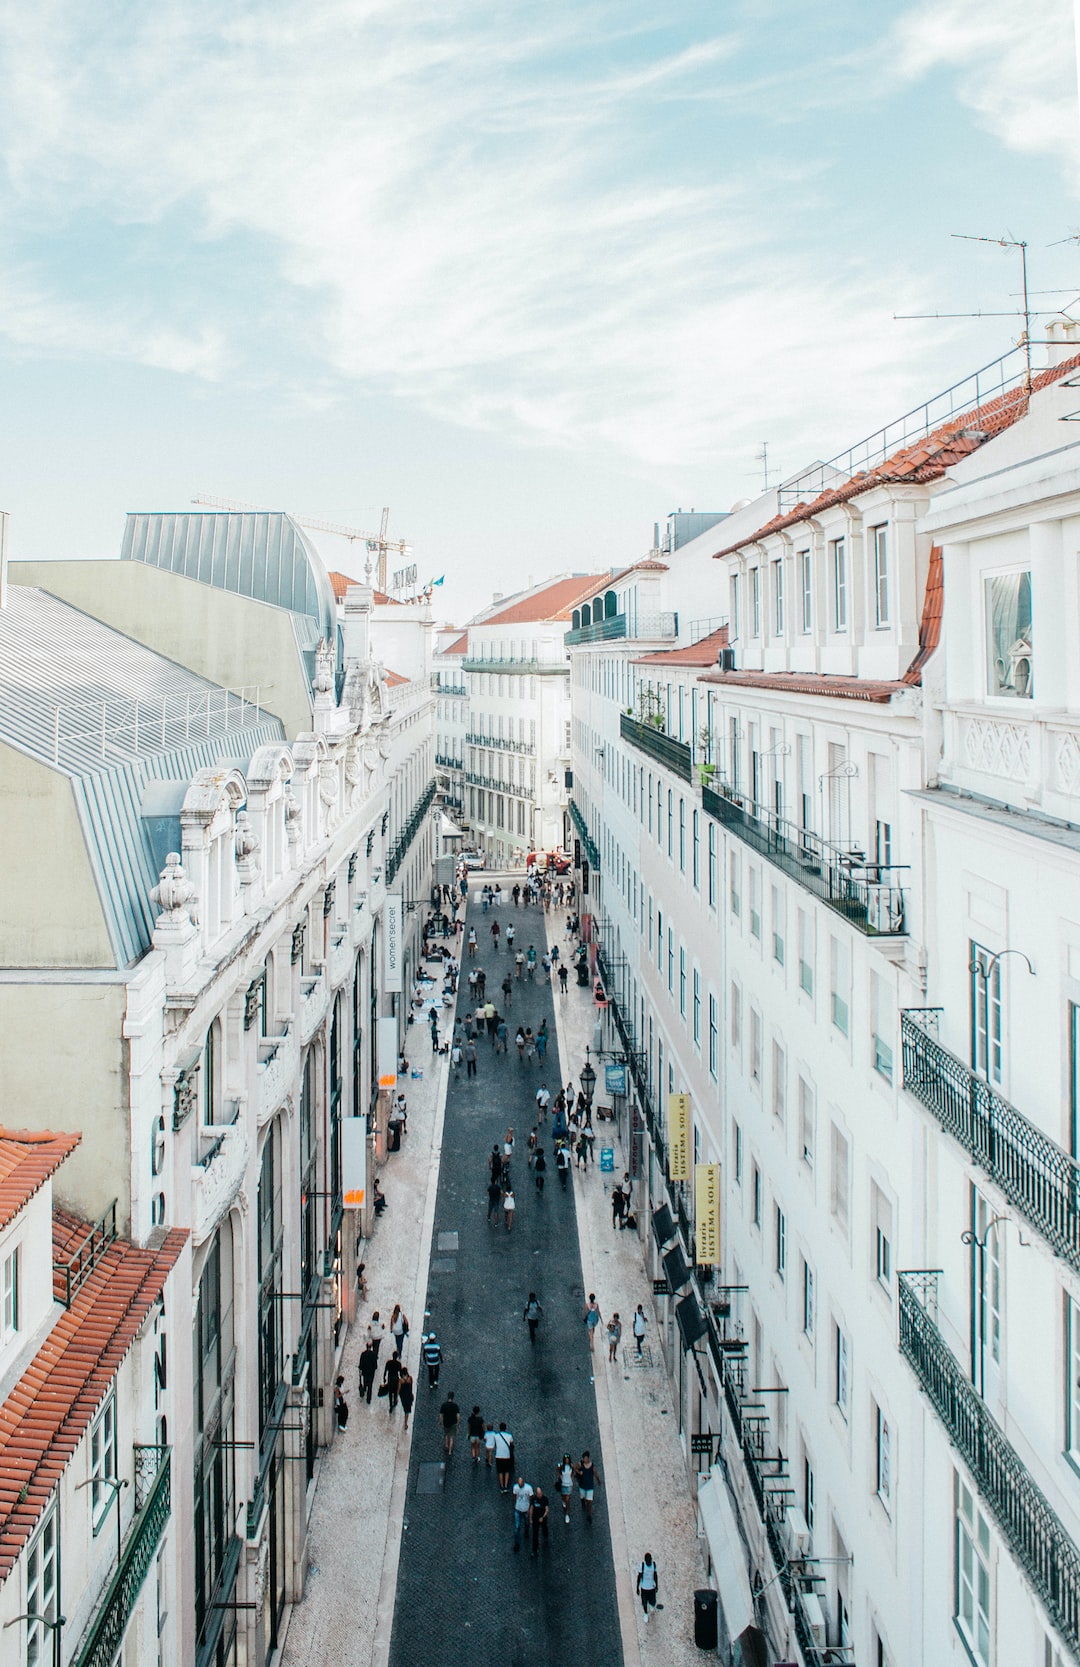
600 630
676 756
475 739
1035 1174
867 894
449 763
1036 1534
581 827
513 664
153 1506
408 833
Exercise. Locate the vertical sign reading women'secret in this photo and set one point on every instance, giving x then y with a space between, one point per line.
392 967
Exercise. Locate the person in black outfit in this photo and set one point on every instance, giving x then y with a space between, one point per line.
369 1361
494 1198
539 1166
538 1518
391 1378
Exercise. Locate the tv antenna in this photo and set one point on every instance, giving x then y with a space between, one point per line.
762 457
1025 312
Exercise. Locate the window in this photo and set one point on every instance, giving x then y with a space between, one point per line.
806 952
103 1462
881 1220
712 864
839 579
714 1038
1008 636
9 1294
755 1045
737 1154
697 850
41 1581
777 925
778 597
883 1458
972 1575
734 609
881 1028
808 1493
806 1122
780 1223
806 590
670 823
779 1082
682 982
697 1008
754 883
840 966
842 1361
756 1195
984 972
1072 1380
736 1017
840 1189
807 1299
755 601
987 1285
660 940
682 836
734 882
879 552
670 962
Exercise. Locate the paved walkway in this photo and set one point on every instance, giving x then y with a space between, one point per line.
458 1586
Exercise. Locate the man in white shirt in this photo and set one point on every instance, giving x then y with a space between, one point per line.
543 1098
640 1323
504 1456
523 1497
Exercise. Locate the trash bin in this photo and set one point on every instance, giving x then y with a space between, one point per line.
705 1623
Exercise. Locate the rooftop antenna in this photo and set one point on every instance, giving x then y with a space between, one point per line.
1025 313
762 457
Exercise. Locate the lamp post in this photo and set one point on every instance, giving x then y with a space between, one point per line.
43 1620
587 1078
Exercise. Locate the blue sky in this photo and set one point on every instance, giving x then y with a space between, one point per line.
533 276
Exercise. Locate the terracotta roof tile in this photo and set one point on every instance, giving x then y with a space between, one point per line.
930 624
925 459
394 679
340 583
810 683
704 652
51 1407
555 601
459 646
27 1158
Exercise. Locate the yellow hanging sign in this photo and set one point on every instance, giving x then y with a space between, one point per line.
707 1214
679 1137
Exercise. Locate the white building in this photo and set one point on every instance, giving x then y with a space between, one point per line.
788 876
451 716
237 786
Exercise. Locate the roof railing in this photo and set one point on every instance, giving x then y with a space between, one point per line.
132 726
80 1264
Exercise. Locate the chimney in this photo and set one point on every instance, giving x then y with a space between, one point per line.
356 627
1062 340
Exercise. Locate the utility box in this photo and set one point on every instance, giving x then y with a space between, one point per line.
705 1619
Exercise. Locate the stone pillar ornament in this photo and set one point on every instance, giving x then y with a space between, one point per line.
247 848
297 943
174 894
324 667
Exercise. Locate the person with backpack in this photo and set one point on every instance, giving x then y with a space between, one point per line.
648 1584
432 1355
533 1313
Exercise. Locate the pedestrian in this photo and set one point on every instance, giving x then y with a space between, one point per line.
508 1203
508 990
582 1149
516 895
476 1433
538 1517
530 963
341 1405
564 978
391 1382
533 1313
593 1317
618 1205
491 1018
495 933
502 1036
369 1363
519 1043
399 1328
361 1280
562 1164
545 963
405 1391
543 1099
504 1456
564 1483
472 942
455 1059
434 1032
481 984
494 1197
376 1331
508 1148
648 1584
511 933
542 1041
588 1480
432 1353
640 1325
523 1498
539 1169
614 1336
519 965
449 1416
489 1446
530 1043
470 1059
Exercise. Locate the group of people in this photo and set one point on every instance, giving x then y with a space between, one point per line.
396 1386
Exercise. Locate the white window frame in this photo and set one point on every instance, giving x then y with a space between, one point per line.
1072 1381
103 1462
879 545
755 601
11 1293
42 1586
838 563
808 1300
806 590
778 596
883 1458
842 1381
973 1576
780 1223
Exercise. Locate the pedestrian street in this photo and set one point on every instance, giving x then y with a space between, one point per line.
463 1595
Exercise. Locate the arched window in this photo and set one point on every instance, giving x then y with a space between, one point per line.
577 619
611 605
157 1151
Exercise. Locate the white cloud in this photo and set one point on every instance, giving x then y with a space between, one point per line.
1015 63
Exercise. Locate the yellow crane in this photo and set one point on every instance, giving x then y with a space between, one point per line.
375 543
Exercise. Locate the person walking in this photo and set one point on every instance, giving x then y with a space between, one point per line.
341 1405
508 990
494 1192
434 1022
519 965
368 1366
472 942
391 1382
618 1205
496 932
648 1585
539 1169
509 1204
519 1043
476 1433
543 1100
507 1148
640 1326
593 1318
432 1353
511 934
539 1512
533 1313
523 1498
582 1149
449 1418
614 1336
562 1164
588 1480
530 963
399 1328
491 1019
502 1036
530 1043
470 1059
503 1447
406 1389
376 1331
564 977
542 1040
564 1484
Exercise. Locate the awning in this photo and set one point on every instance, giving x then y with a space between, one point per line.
675 1268
726 1552
691 1320
663 1226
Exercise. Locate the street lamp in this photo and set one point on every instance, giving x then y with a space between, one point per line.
588 1080
53 1625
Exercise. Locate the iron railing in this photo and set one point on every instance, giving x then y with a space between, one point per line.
153 1506
581 827
498 784
409 832
449 763
514 665
865 893
1036 1174
676 756
82 1261
601 630
1039 1539
701 628
475 739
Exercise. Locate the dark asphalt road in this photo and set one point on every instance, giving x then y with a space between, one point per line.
463 1596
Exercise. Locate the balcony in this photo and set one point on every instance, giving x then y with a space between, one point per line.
515 666
218 1174
314 1003
497 784
400 847
449 763
477 740
867 894
581 828
341 959
657 625
601 630
153 1505
1035 1533
676 756
1036 1175
277 1071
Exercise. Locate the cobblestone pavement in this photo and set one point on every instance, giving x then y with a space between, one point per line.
462 1593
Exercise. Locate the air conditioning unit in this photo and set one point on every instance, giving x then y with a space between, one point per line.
815 1619
726 659
796 1535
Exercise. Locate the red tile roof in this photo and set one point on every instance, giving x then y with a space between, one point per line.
932 610
459 646
809 683
394 678
27 1158
555 601
51 1407
925 459
341 582
702 653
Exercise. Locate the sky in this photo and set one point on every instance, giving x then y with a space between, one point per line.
533 276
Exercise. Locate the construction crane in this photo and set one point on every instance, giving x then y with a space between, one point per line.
375 543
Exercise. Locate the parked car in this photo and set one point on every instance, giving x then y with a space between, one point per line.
473 859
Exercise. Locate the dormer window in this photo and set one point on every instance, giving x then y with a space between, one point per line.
1009 664
10 1305
879 555
778 597
839 577
755 601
